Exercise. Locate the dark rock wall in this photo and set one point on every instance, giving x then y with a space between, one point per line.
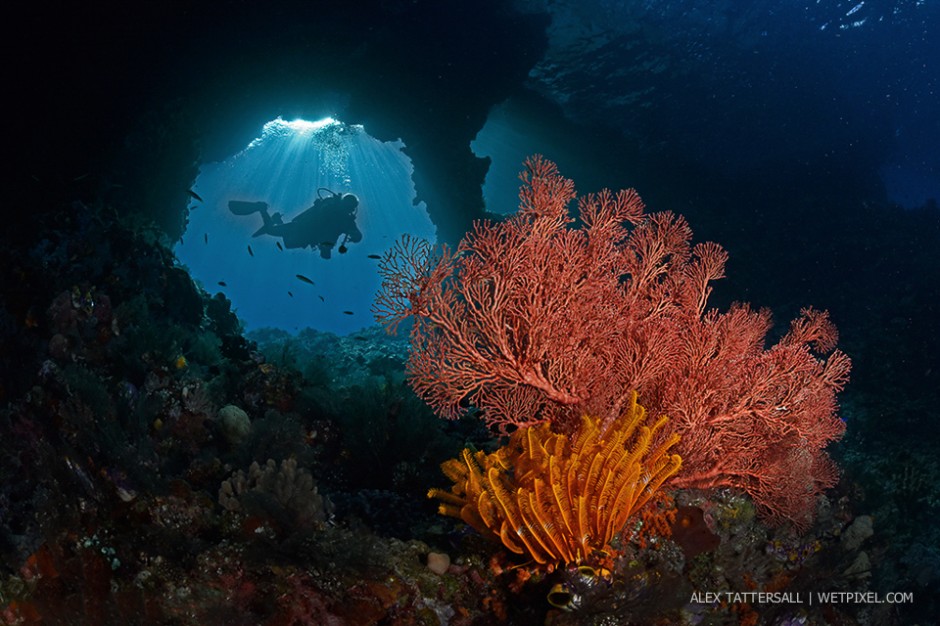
122 102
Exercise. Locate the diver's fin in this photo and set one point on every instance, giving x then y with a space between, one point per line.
239 207
270 221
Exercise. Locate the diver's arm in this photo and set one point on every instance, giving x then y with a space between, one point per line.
354 235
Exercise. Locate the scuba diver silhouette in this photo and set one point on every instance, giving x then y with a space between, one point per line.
321 225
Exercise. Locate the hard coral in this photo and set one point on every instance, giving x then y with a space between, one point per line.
557 498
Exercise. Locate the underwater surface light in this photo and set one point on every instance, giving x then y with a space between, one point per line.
303 126
329 282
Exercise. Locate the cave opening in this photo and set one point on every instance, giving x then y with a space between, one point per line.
273 281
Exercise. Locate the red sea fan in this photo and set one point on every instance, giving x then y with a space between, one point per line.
535 319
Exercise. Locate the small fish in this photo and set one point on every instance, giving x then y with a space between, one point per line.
305 279
205 237
347 312
222 283
290 294
81 178
374 256
279 246
250 251
194 195
321 299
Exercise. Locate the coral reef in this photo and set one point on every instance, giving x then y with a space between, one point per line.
117 378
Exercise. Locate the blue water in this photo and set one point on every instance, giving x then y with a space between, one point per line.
284 167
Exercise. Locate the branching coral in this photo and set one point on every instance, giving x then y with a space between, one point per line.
557 498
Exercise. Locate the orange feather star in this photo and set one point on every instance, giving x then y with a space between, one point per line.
557 498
